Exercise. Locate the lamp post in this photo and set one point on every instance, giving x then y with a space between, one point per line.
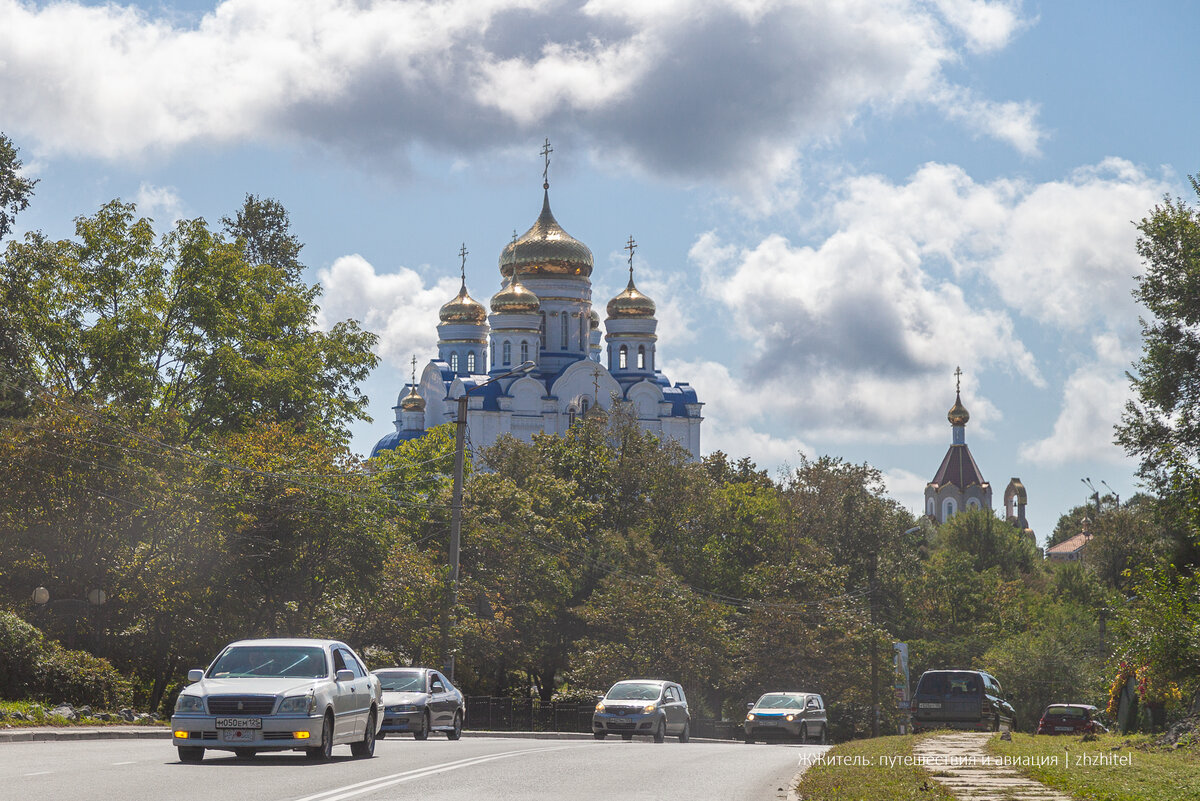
460 436
95 600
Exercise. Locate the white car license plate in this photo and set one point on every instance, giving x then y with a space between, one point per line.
930 706
237 735
239 723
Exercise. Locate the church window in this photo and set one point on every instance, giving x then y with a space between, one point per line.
584 405
493 359
524 351
570 417
641 357
471 362
973 503
542 330
949 508
929 508
566 324
622 358
583 328
507 353
454 362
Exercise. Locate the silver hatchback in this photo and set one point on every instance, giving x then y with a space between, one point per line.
793 715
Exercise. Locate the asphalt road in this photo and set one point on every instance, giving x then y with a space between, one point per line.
479 769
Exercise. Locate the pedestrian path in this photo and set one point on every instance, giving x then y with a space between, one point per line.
962 763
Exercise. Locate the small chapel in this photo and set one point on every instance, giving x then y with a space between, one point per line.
543 313
959 483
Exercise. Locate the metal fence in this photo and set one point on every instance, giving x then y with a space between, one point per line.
492 713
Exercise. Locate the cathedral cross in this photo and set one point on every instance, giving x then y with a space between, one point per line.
462 254
414 369
631 246
957 380
546 151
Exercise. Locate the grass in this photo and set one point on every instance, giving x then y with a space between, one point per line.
39 715
1151 774
860 773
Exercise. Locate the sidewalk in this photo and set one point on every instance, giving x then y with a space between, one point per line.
962 763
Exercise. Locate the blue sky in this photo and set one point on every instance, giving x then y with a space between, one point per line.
836 203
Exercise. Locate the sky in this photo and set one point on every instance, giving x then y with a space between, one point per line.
836 203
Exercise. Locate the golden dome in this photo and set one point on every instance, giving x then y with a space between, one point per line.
958 414
412 402
515 299
595 315
546 249
631 302
463 309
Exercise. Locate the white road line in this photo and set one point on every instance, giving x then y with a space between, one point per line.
124 763
351 790
39 773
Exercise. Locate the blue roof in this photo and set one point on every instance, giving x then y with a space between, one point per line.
390 441
679 396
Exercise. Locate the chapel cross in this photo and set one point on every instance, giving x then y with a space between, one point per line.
414 369
957 380
631 246
546 151
462 253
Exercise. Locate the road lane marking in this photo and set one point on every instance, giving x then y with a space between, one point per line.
124 763
379 783
39 773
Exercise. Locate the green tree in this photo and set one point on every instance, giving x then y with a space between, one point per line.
989 542
14 189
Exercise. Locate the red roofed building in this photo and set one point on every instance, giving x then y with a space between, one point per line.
1071 550
958 484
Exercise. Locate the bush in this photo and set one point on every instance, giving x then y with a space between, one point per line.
20 646
77 677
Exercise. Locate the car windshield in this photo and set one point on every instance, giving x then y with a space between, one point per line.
402 681
634 691
780 701
950 684
257 661
1066 711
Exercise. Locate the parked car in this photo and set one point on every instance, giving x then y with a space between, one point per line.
643 706
797 715
1070 719
960 699
419 700
279 695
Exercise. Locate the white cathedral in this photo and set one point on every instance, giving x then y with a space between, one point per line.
543 313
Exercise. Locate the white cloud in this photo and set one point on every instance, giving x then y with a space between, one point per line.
1093 399
160 203
691 88
906 487
398 307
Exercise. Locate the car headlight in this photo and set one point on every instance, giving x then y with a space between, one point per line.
649 707
790 718
600 707
189 703
298 705
749 716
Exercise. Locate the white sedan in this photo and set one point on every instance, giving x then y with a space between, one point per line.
279 695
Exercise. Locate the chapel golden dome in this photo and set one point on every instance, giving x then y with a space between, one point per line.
515 298
958 414
546 249
412 402
463 309
631 303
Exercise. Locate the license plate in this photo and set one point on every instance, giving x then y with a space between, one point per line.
1063 728
237 735
929 706
239 723
622 724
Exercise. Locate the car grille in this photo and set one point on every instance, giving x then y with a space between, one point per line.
240 704
277 735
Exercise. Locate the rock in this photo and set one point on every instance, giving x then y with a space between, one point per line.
126 714
105 716
143 717
64 711
1007 735
19 715
84 711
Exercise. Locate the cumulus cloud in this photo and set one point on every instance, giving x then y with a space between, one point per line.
689 88
397 306
916 278
906 487
160 203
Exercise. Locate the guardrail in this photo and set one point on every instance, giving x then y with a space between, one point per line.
497 713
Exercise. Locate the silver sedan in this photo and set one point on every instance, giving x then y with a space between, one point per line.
279 695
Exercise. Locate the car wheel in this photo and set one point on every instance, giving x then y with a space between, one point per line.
244 753
823 736
804 732
324 751
599 735
660 733
749 738
686 734
189 753
456 732
365 747
423 732
996 723
626 737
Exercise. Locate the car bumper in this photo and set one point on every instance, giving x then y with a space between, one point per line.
276 734
400 722
772 727
624 724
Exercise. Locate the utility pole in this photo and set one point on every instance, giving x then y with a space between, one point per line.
874 647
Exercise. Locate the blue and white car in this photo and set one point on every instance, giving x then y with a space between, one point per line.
279 695
795 715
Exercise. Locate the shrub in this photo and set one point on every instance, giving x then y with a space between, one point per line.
20 646
77 677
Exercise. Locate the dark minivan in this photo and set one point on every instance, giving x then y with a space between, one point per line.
960 699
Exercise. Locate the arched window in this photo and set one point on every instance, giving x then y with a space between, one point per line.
493 359
584 405
583 329
641 357
454 362
471 362
507 353
610 357
542 330
570 417
566 334
524 351
929 507
973 503
949 507
622 358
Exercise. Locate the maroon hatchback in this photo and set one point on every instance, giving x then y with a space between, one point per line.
1070 719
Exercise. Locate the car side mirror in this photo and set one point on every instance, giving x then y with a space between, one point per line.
344 675
749 705
196 674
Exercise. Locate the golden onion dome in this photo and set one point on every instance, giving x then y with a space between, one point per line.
595 316
546 249
463 309
631 303
958 414
515 298
412 402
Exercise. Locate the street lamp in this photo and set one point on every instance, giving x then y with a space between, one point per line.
460 435
95 599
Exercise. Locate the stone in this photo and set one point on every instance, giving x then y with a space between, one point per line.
105 716
84 711
64 711
126 714
19 715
